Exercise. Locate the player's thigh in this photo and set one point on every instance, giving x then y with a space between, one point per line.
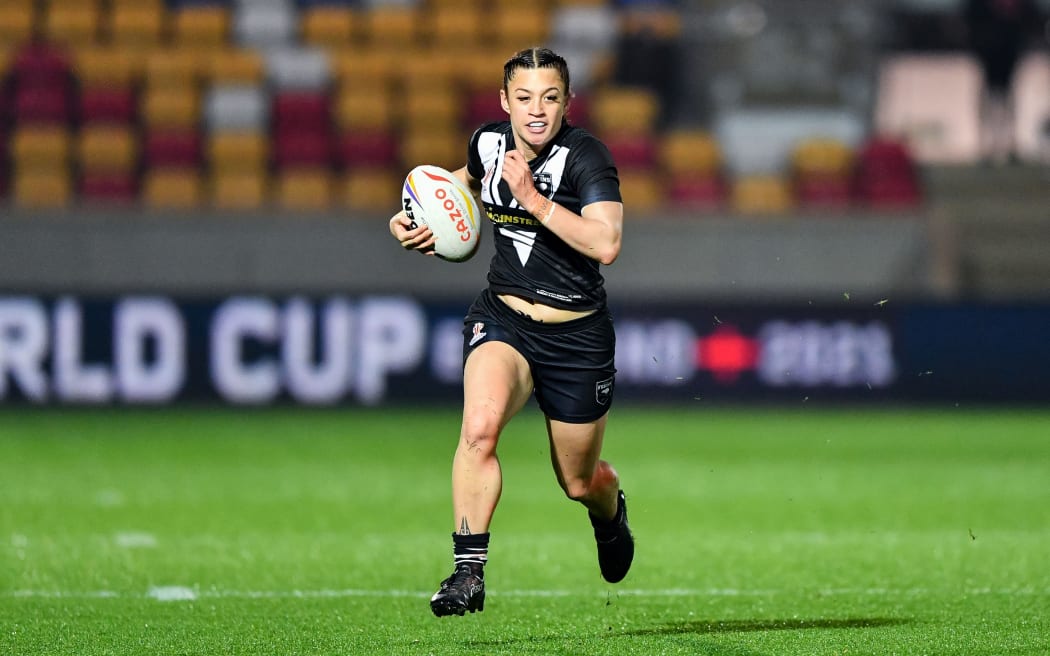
576 448
497 383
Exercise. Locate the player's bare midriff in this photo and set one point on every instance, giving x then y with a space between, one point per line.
540 312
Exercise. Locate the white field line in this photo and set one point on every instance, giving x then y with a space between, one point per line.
184 593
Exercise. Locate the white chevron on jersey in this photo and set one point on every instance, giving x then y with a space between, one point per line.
554 167
523 240
492 147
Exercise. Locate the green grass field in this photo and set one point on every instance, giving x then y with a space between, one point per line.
760 531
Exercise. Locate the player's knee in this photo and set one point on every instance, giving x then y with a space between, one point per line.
578 489
480 433
581 488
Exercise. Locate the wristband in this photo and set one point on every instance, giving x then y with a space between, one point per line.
549 213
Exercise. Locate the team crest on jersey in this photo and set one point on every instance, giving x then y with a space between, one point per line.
603 390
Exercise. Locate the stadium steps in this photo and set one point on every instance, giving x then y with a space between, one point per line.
999 220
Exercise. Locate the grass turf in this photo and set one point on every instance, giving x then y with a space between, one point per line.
760 532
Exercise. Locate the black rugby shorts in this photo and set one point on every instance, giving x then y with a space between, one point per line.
572 363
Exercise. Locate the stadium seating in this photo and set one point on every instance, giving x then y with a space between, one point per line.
236 104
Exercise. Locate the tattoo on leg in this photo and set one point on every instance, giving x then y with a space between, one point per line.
464 528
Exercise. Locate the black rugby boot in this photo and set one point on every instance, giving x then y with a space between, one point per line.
463 591
615 543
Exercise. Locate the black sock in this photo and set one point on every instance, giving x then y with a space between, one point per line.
609 525
471 550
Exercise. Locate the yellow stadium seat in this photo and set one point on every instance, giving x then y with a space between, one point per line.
822 156
136 26
364 110
482 68
689 151
439 108
40 146
174 67
174 107
107 148
236 66
371 189
238 190
16 24
43 188
104 66
204 27
642 191
308 189
762 194
421 68
392 26
238 151
72 25
172 188
517 26
441 5
329 27
455 26
447 149
624 111
366 68
144 4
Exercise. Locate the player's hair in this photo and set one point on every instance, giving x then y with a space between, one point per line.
537 58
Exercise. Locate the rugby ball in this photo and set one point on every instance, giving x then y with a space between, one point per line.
436 198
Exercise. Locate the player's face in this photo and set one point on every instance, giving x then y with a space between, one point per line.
536 100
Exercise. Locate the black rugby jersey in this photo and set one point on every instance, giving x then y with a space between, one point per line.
574 170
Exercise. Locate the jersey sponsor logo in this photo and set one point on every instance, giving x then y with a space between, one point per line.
523 241
479 333
603 390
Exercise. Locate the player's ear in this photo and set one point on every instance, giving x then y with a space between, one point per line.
504 101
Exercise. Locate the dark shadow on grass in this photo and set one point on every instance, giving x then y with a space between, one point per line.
711 627
747 626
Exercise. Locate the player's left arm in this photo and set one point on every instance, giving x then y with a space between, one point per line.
596 232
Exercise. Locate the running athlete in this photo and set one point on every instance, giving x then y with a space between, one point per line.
542 326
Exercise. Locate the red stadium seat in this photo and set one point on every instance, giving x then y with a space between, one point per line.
886 177
633 151
172 148
109 187
109 104
702 192
298 110
482 107
824 192
307 147
359 149
41 65
42 103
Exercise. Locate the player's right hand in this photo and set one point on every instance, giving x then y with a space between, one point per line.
420 238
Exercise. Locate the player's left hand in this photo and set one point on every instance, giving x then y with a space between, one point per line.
518 176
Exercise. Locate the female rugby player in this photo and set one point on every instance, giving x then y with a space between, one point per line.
542 325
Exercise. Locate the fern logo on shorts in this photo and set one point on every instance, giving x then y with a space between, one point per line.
479 333
603 391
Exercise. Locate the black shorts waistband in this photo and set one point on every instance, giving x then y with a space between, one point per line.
492 303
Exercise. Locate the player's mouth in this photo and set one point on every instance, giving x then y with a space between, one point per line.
536 127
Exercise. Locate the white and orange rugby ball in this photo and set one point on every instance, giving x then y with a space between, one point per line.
436 198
